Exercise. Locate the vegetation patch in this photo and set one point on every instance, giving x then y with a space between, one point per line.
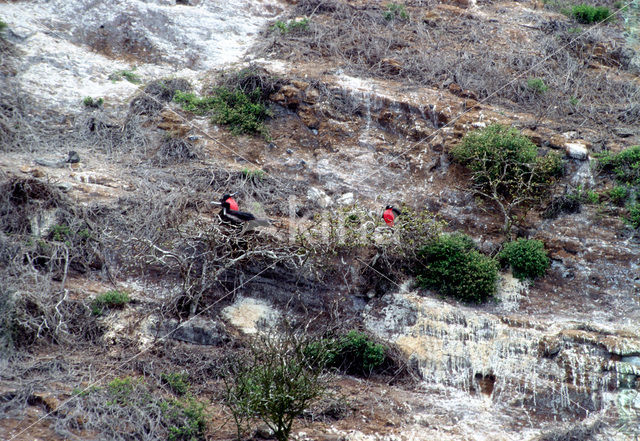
395 11
291 25
625 168
109 299
453 266
588 14
93 102
125 74
178 382
618 194
634 215
507 169
625 165
243 112
273 382
133 406
353 353
193 103
253 174
537 85
526 257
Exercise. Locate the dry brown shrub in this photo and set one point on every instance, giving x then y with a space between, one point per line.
487 61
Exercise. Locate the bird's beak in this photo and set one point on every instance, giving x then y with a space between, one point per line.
216 203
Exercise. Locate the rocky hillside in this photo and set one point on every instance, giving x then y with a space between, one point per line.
127 301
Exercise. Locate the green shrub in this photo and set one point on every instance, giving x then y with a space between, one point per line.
128 75
109 299
537 85
506 168
93 103
3 26
500 156
188 420
120 390
244 113
618 194
395 11
60 233
274 382
291 26
592 197
452 265
353 353
358 354
192 103
527 258
624 165
588 14
177 382
254 175
634 215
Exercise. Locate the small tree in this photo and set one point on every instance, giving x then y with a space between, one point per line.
274 382
506 168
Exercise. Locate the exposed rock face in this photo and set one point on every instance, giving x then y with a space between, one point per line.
250 315
547 367
576 150
198 331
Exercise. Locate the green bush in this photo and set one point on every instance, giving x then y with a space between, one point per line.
188 419
93 103
395 11
500 156
291 26
624 165
452 265
506 169
527 258
588 14
358 354
3 26
634 215
109 299
253 174
60 233
128 75
274 382
177 382
243 112
192 103
592 197
618 194
353 353
537 85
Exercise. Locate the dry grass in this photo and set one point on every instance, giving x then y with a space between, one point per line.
488 61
